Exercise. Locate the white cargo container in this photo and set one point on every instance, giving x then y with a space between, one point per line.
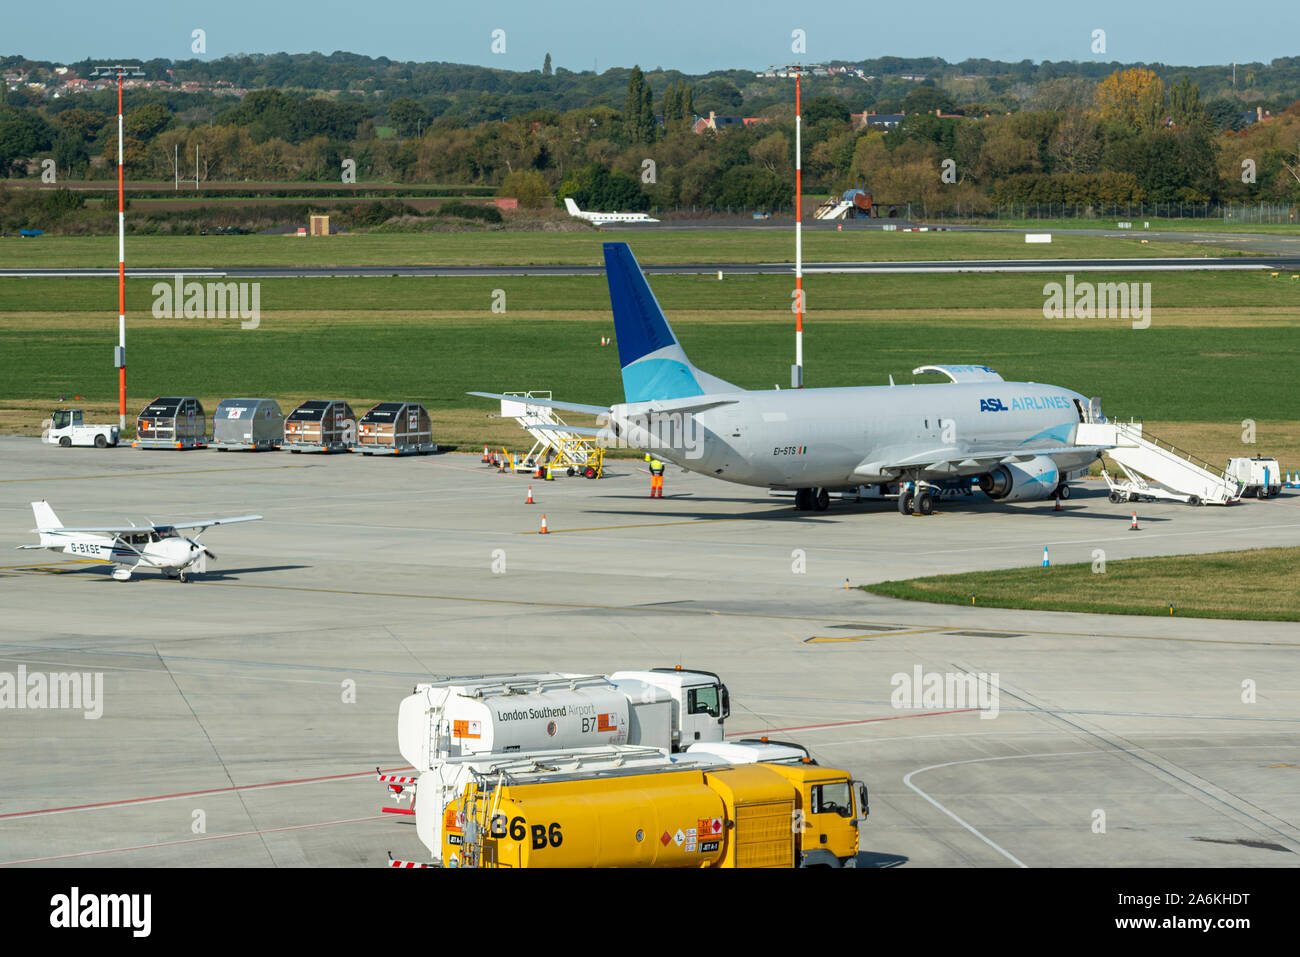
500 714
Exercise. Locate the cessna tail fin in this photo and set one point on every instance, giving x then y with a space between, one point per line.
45 517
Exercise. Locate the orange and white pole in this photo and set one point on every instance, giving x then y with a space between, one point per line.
121 270
798 240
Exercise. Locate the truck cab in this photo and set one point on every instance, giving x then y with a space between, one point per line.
829 808
701 701
1258 476
67 428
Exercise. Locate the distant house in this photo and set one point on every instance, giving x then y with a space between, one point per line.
890 120
887 120
713 123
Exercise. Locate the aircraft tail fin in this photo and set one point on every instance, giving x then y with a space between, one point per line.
46 520
571 206
654 364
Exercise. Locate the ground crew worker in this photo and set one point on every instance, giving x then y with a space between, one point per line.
656 477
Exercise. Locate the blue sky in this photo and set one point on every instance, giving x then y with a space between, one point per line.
691 36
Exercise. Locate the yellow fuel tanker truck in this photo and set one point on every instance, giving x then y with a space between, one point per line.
754 815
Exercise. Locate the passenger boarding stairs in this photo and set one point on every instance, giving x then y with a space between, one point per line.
551 434
833 209
1156 469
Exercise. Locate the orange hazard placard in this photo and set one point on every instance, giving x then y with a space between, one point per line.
466 729
606 722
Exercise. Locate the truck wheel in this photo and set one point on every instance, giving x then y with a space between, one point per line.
1194 500
1114 498
1261 493
100 442
65 442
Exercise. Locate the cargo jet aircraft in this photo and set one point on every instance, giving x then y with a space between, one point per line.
131 546
1015 439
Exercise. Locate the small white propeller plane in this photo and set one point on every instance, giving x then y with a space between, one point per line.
130 547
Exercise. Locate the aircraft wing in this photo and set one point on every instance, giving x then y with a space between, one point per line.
949 459
670 407
136 529
548 403
209 522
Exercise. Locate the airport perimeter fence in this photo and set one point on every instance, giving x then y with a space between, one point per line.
1267 213
1274 213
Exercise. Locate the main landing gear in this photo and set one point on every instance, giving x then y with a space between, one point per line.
916 501
812 499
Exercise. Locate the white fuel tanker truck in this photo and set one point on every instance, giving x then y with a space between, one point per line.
664 708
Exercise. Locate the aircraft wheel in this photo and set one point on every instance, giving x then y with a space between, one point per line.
803 499
65 442
905 499
1063 491
184 578
822 500
925 503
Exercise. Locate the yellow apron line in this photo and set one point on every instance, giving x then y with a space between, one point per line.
610 528
240 468
80 561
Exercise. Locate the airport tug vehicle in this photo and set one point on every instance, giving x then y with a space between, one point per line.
68 428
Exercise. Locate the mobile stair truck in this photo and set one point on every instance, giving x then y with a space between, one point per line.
1154 469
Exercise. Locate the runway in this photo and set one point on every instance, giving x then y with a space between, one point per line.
1168 264
244 714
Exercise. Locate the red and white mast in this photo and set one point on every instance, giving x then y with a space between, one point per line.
119 355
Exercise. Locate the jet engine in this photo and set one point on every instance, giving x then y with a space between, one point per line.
1021 481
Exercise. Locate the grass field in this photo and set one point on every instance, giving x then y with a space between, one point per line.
1257 584
1222 347
488 247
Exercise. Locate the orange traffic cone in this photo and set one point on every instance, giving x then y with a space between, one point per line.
486 458
1134 526
1058 505
545 530
529 499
